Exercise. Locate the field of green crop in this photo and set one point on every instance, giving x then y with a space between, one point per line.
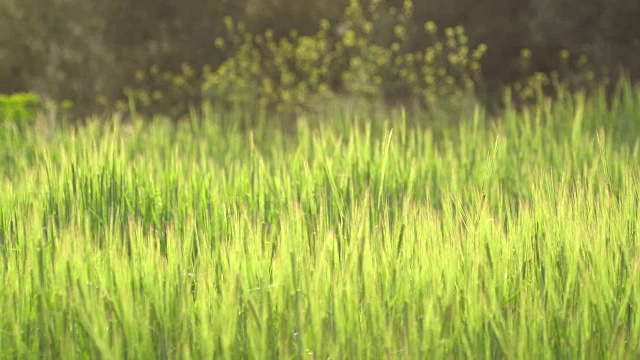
348 237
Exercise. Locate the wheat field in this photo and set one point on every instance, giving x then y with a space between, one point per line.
378 237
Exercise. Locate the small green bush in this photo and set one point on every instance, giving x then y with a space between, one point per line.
17 116
19 108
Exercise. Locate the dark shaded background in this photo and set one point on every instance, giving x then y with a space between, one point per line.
82 49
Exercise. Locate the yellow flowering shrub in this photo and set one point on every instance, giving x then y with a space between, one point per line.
369 57
347 60
571 75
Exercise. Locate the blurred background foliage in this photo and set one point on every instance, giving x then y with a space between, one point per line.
288 55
